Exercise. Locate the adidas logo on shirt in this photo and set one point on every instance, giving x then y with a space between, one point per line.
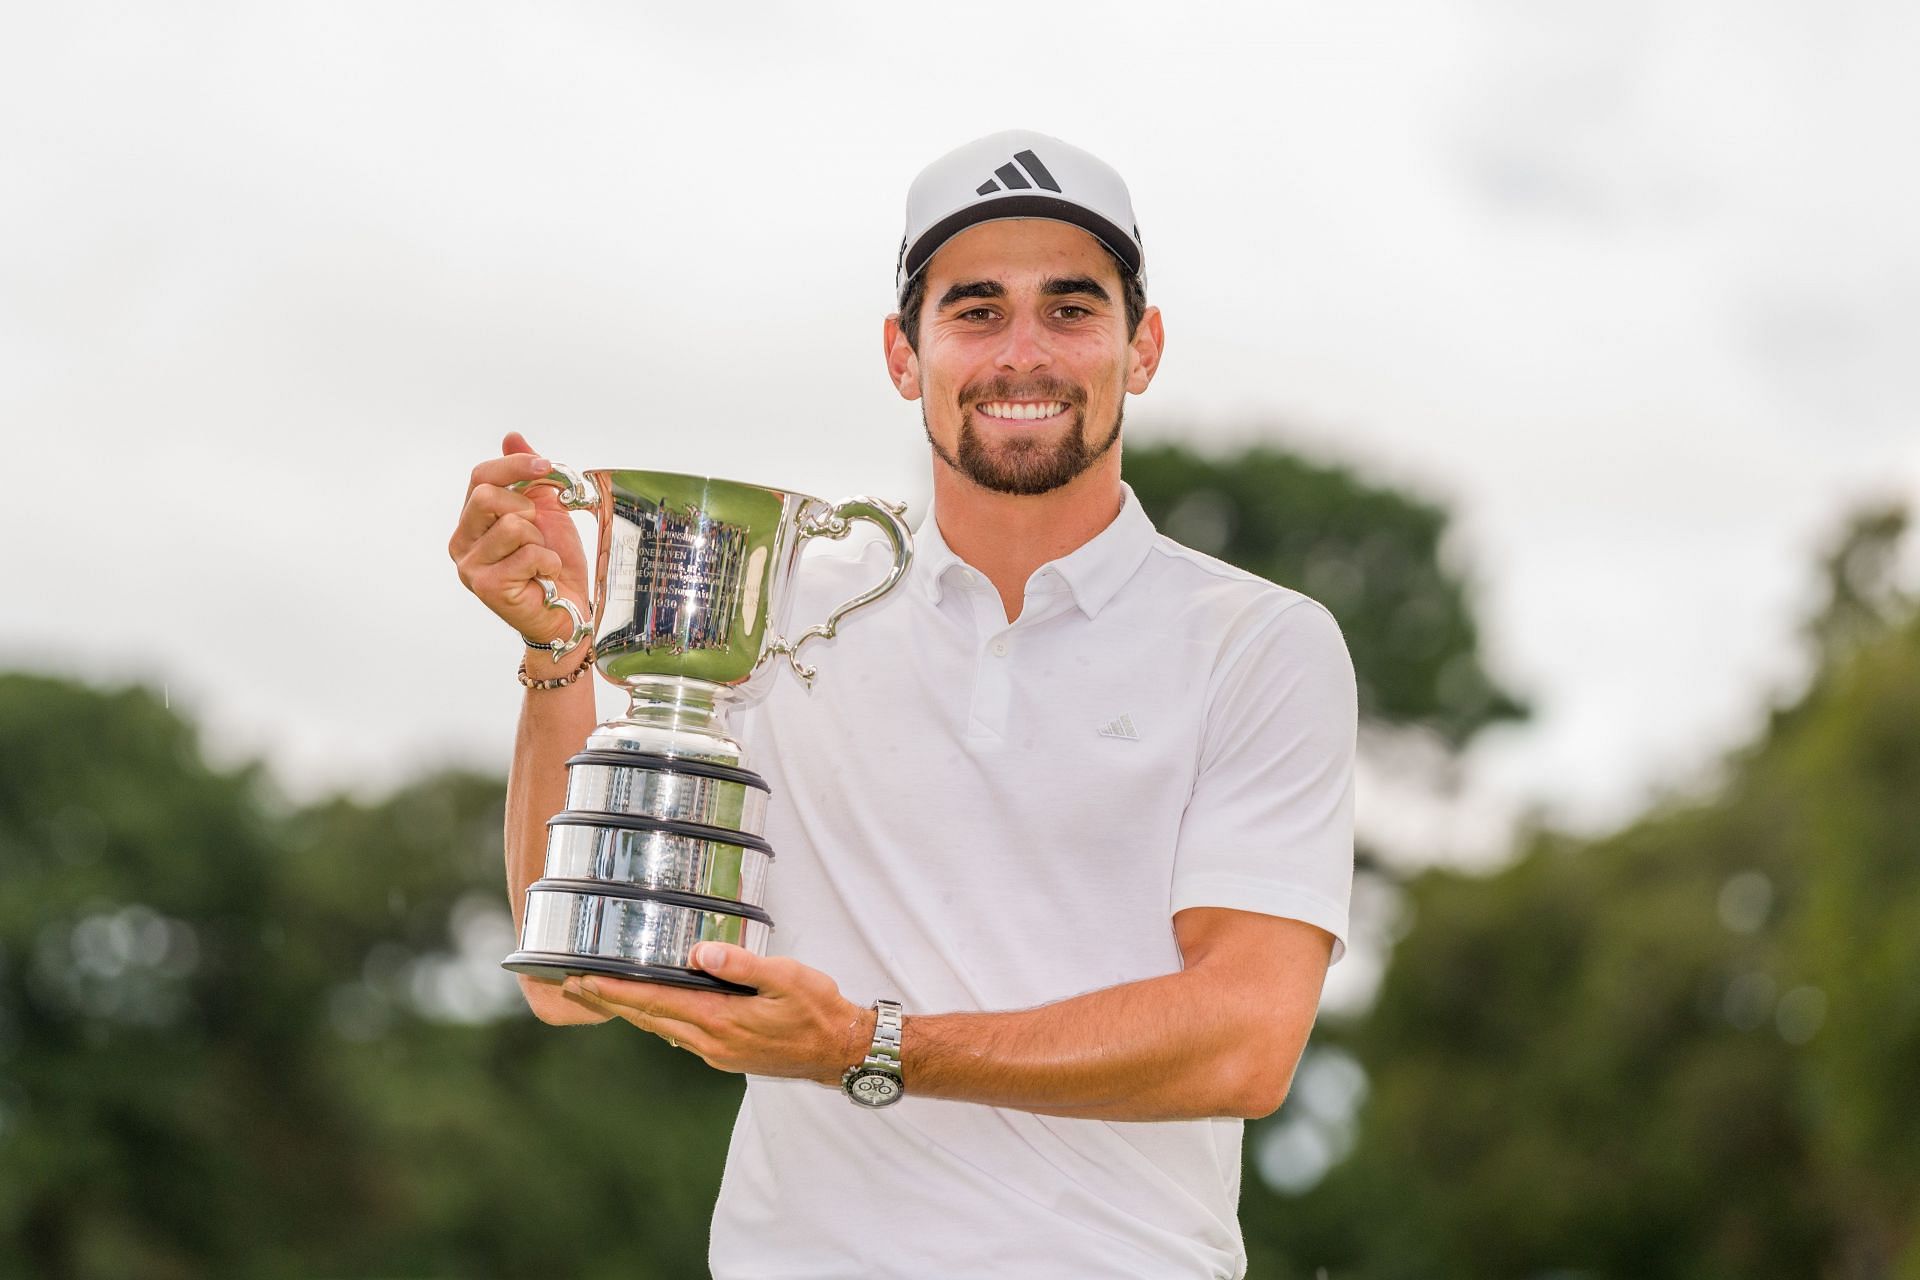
1022 173
1121 728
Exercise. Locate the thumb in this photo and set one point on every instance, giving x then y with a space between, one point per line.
735 964
515 443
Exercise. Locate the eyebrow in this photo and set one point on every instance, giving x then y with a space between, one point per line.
1062 286
972 289
1056 287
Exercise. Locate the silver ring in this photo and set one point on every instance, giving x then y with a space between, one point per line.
564 645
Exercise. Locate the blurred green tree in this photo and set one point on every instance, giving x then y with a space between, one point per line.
241 1040
1688 1049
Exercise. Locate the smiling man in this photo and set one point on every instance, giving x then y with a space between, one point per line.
1065 827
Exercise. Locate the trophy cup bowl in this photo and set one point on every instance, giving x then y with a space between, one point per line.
661 845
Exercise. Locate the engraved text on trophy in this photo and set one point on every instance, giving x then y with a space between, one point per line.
681 571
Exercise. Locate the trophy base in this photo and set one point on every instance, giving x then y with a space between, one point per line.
550 966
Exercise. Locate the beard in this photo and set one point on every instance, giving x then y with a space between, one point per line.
1024 465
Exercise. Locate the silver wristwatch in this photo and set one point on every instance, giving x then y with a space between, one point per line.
875 1080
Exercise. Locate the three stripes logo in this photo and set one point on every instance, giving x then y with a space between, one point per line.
1121 728
1022 173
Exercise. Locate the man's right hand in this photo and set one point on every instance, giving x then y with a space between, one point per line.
506 539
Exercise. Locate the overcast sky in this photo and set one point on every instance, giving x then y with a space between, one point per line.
1632 288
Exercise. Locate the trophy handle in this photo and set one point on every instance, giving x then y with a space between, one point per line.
834 524
577 493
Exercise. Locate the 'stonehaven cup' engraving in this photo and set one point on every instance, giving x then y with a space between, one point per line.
661 845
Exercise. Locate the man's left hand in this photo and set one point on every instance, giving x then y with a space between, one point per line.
799 1025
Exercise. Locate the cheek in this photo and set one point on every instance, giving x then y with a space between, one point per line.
944 379
1104 379
940 400
939 395
1097 361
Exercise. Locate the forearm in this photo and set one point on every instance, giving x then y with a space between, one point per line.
554 723
1182 1046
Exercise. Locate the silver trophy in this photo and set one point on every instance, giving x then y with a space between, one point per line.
661 845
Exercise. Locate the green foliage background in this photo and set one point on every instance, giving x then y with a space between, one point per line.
219 1049
240 1037
1689 1049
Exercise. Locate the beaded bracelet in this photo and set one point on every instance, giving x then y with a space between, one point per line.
557 682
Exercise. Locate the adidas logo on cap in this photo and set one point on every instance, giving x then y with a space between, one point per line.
1068 185
1015 173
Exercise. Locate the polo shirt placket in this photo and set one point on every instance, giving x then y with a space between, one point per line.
1084 579
997 644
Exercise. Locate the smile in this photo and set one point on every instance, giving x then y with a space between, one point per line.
1022 410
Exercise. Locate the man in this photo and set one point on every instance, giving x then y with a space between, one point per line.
1075 797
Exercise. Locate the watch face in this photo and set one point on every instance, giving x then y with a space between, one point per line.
873 1088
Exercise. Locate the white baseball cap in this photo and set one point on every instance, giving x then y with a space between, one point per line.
1016 174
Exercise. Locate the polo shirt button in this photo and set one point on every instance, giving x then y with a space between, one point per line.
999 648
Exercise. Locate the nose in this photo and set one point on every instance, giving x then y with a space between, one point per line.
1023 348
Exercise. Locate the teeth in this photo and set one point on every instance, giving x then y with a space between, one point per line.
1008 409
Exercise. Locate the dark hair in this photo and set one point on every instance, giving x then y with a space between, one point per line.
1133 292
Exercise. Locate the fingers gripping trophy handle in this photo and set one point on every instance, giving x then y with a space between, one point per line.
577 493
834 524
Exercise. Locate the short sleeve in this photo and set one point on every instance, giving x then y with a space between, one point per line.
1269 827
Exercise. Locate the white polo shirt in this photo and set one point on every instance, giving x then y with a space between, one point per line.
972 814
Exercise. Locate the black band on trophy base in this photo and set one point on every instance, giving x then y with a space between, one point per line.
672 764
634 822
552 966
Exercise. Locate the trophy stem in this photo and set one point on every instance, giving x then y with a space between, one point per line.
674 716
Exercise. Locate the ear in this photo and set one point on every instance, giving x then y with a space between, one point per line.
903 366
1143 356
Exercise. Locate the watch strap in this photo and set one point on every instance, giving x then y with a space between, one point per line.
883 1060
886 1035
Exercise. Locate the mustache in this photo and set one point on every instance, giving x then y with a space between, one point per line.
1004 388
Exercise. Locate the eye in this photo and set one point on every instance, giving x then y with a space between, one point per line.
977 313
1076 310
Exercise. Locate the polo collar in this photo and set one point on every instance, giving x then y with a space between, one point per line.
1094 572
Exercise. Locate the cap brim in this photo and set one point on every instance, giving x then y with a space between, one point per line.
1114 238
